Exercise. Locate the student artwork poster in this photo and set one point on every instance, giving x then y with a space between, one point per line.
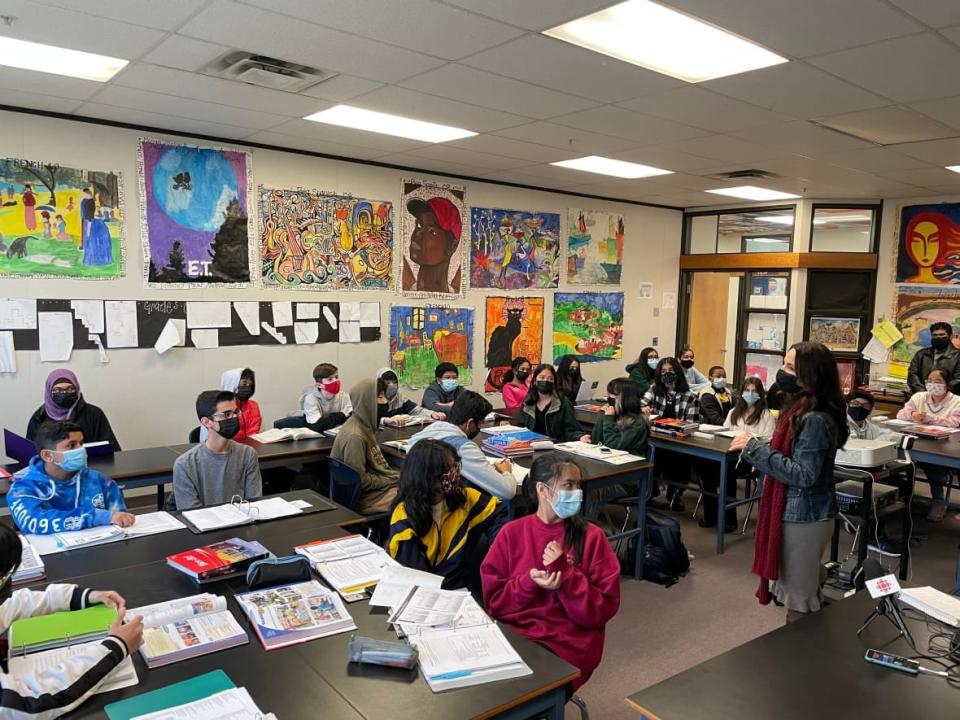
194 208
514 249
916 310
433 239
514 328
928 245
594 247
423 337
60 222
588 325
320 241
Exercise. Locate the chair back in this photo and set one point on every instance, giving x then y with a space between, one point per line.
194 436
345 484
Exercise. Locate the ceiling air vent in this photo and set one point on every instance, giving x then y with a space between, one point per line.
267 72
749 174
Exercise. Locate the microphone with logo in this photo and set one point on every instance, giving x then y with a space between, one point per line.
884 587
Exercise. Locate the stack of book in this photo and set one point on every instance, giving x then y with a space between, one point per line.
31 566
512 444
674 426
290 614
187 627
218 561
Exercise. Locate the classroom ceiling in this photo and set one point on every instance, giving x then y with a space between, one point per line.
884 71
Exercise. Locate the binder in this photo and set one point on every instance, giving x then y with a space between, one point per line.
59 629
179 693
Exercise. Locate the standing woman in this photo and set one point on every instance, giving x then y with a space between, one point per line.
569 378
545 410
642 371
62 401
516 384
797 504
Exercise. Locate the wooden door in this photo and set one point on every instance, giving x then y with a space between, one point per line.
707 323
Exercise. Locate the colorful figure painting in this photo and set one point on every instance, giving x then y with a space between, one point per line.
514 328
60 221
594 247
589 325
423 337
433 236
916 310
194 206
928 248
314 240
514 249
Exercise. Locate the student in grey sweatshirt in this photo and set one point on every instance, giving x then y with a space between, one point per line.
216 470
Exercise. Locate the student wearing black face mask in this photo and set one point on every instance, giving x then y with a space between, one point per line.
242 382
859 406
63 401
546 410
217 469
942 354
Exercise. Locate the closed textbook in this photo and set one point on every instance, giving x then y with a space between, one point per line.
60 629
220 560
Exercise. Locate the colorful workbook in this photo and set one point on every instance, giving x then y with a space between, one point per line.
60 629
296 613
187 627
350 564
226 559
512 444
170 696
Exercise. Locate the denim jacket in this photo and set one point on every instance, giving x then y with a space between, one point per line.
807 473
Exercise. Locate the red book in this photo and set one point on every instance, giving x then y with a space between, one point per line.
213 562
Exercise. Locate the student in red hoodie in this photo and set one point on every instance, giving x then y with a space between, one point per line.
552 576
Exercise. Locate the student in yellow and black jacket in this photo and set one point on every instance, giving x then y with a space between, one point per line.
437 524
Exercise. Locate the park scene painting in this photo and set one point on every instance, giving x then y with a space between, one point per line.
589 325
423 337
514 249
58 221
194 206
594 247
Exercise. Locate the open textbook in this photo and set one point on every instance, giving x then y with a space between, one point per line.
31 565
187 627
146 524
240 512
275 435
234 704
350 564
295 613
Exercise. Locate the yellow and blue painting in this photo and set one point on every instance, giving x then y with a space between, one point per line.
594 247
423 337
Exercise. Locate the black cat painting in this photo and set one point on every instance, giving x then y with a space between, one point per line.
500 348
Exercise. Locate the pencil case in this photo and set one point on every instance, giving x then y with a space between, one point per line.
278 571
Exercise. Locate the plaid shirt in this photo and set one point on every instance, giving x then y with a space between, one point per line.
685 406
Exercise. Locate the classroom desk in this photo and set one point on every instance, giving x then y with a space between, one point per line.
945 453
810 668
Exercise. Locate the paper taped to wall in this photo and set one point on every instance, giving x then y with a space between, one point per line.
208 314
350 331
90 313
249 314
18 314
369 314
282 314
306 333
331 318
121 317
56 336
205 338
8 356
174 334
308 311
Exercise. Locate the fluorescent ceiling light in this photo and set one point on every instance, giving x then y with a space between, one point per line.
58 61
666 41
955 168
751 192
609 166
387 124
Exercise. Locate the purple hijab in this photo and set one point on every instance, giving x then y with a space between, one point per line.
54 411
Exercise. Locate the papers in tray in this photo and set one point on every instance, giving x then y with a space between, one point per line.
275 435
296 613
467 656
240 513
123 675
351 564
397 581
234 704
598 452
146 524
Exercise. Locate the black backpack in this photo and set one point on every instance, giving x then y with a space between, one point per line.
665 558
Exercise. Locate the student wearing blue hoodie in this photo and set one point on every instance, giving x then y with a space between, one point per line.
59 492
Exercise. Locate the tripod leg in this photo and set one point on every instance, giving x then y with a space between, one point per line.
873 616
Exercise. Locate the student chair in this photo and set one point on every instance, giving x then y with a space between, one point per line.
345 485
194 436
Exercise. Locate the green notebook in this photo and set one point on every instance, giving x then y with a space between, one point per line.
60 629
170 696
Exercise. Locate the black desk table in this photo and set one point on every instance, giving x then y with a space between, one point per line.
813 668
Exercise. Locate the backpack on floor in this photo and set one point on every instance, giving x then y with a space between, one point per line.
665 558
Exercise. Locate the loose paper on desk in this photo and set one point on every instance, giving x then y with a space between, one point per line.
206 339
56 336
174 334
886 333
153 524
8 355
208 314
234 704
429 606
306 333
121 317
272 508
249 314
308 311
875 351
396 582
123 675
90 313
18 314
282 313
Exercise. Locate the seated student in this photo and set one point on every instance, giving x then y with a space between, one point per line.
356 445
437 524
716 400
750 414
516 384
545 410
217 469
49 692
569 378
62 400
242 383
59 492
323 404
860 404
695 379
440 394
641 372
551 575
934 406
397 404
463 424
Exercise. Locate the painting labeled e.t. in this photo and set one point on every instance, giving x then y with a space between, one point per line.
194 202
432 232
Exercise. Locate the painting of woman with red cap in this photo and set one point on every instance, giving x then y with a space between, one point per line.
929 247
432 226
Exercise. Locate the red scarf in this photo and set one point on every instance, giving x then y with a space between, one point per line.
773 501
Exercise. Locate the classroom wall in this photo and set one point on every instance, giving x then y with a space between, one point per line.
149 398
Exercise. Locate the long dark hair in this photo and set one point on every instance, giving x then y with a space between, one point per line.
11 550
629 406
741 409
645 369
820 390
532 394
514 366
420 477
566 379
680 386
547 469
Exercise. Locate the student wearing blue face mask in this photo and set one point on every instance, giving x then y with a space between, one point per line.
750 414
717 399
439 396
59 492
642 372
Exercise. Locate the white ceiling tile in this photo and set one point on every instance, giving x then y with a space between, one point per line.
286 38
481 88
13 81
178 51
947 192
575 142
138 12
410 103
166 122
561 66
340 88
630 125
497 145
666 158
801 29
533 14
946 110
917 67
935 152
420 164
346 136
703 109
477 162
936 13
216 90
420 25
872 160
889 125
268 137
49 103
520 177
927 177
796 89
728 149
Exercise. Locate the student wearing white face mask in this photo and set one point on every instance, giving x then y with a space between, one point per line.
750 414
716 400
934 406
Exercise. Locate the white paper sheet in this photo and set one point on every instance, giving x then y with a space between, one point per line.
282 314
121 318
274 333
153 524
306 333
273 508
331 318
369 314
395 583
308 311
350 311
208 315
123 675
668 300
350 331
249 314
18 314
96 340
56 336
233 704
8 355
206 339
174 334
90 313
875 352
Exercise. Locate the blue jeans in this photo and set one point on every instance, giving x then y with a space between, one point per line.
937 476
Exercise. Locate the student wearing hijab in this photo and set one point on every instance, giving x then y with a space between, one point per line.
643 370
356 445
62 401
323 404
397 403
242 383
569 378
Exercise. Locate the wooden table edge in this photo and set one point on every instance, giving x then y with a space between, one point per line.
528 696
644 713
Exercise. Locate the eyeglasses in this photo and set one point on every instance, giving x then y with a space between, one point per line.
226 415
